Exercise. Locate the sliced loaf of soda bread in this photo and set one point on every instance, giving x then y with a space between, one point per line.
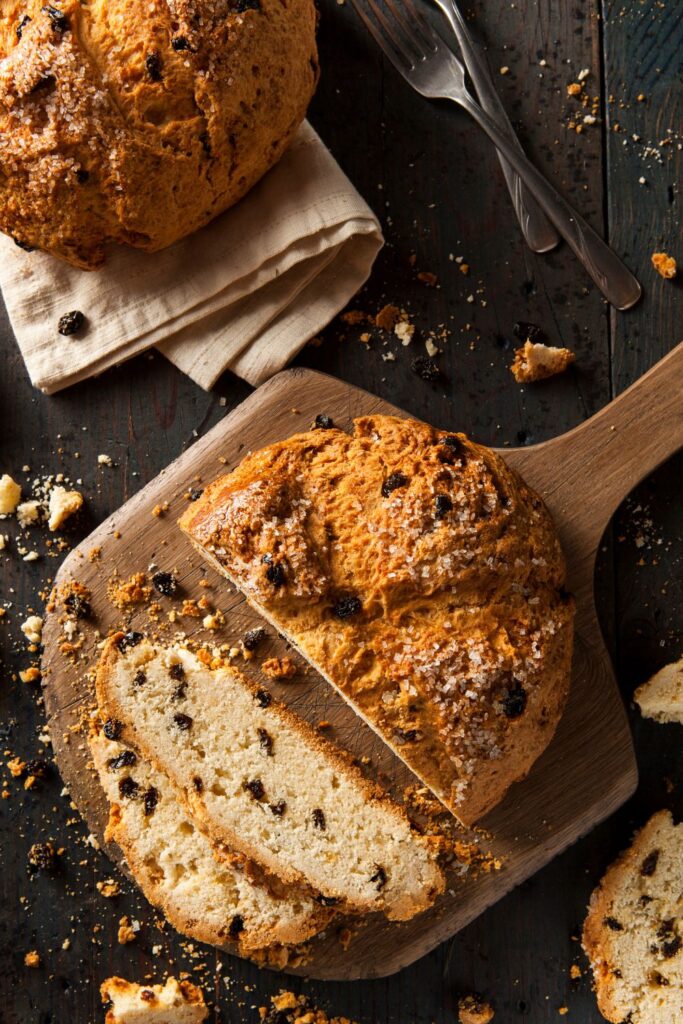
174 1002
208 897
263 781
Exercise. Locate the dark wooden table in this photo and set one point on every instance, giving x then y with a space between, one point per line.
437 186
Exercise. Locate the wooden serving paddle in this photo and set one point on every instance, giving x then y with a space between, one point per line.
589 768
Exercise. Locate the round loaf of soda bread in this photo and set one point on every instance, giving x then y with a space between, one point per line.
137 123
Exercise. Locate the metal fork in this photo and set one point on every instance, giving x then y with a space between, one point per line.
429 65
538 232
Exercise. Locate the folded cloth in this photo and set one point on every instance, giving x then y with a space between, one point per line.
244 293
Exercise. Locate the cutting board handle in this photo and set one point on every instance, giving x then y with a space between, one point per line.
586 473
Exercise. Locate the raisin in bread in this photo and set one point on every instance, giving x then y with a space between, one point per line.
174 1002
422 577
633 934
661 697
136 123
263 781
208 897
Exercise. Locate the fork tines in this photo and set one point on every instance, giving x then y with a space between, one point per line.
400 30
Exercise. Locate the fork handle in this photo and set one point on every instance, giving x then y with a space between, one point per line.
538 232
612 277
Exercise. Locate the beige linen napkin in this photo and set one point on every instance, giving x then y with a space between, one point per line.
244 293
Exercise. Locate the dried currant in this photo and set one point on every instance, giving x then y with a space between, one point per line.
346 607
77 606
180 692
197 784
82 175
126 759
165 583
451 449
195 493
263 698
649 865
247 5
130 639
253 637
265 741
177 671
393 482
256 788
613 924
147 995
327 901
23 245
275 574
140 678
442 506
379 877
153 66
182 722
60 22
71 322
150 800
319 819
180 43
21 25
112 728
669 949
278 808
426 368
514 702
236 926
128 788
323 422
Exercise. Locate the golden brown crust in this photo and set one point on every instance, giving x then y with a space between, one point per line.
110 133
422 576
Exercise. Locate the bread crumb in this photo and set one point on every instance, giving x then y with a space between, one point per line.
664 265
104 460
32 959
28 513
279 668
61 505
387 317
10 495
135 590
127 933
160 510
574 972
32 629
214 620
30 675
427 277
474 1010
16 767
537 361
661 697
574 89
404 331
109 888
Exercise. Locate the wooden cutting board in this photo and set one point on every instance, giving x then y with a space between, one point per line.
588 770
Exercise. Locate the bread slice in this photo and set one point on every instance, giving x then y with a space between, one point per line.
421 577
205 895
633 933
174 1002
661 697
263 781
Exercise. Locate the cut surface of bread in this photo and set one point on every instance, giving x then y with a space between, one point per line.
633 934
421 577
661 697
174 1002
207 897
261 780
